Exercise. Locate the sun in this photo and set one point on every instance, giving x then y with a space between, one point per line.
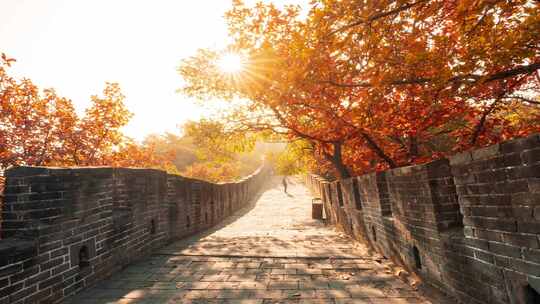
230 63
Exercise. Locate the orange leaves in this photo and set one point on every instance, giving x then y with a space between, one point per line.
393 82
131 154
41 128
30 127
214 172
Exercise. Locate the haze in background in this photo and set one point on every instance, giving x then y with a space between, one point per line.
75 46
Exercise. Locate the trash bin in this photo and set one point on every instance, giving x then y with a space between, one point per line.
316 209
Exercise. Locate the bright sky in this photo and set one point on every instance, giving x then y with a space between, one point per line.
75 46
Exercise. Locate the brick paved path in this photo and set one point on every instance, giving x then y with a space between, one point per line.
270 252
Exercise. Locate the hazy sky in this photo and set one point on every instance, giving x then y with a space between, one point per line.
75 46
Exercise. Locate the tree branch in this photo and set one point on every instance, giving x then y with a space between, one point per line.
524 99
378 150
297 132
480 126
469 78
337 160
377 16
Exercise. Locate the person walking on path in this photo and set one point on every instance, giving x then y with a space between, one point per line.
284 182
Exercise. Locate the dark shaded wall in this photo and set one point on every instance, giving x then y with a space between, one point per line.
66 229
468 225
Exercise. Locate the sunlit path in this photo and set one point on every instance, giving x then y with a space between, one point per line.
270 252
277 225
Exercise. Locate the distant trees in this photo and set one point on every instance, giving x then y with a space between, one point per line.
179 149
222 154
380 84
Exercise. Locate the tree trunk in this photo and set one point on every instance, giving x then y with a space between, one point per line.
337 160
413 148
480 126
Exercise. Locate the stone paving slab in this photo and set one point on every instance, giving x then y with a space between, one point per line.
270 252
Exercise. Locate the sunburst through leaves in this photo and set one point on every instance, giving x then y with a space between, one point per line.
231 63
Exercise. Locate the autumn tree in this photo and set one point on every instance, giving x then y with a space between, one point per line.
32 123
378 84
223 154
38 127
132 154
295 158
180 149
435 64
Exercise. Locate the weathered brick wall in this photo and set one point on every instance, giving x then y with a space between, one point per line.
424 206
66 228
499 195
375 201
469 225
353 209
323 191
337 210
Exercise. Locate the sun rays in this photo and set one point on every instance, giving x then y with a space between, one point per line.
231 63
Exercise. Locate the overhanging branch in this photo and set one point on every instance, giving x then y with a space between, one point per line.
469 78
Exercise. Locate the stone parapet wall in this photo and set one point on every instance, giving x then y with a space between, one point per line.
468 225
65 229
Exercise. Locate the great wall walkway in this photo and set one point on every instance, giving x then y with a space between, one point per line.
269 252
